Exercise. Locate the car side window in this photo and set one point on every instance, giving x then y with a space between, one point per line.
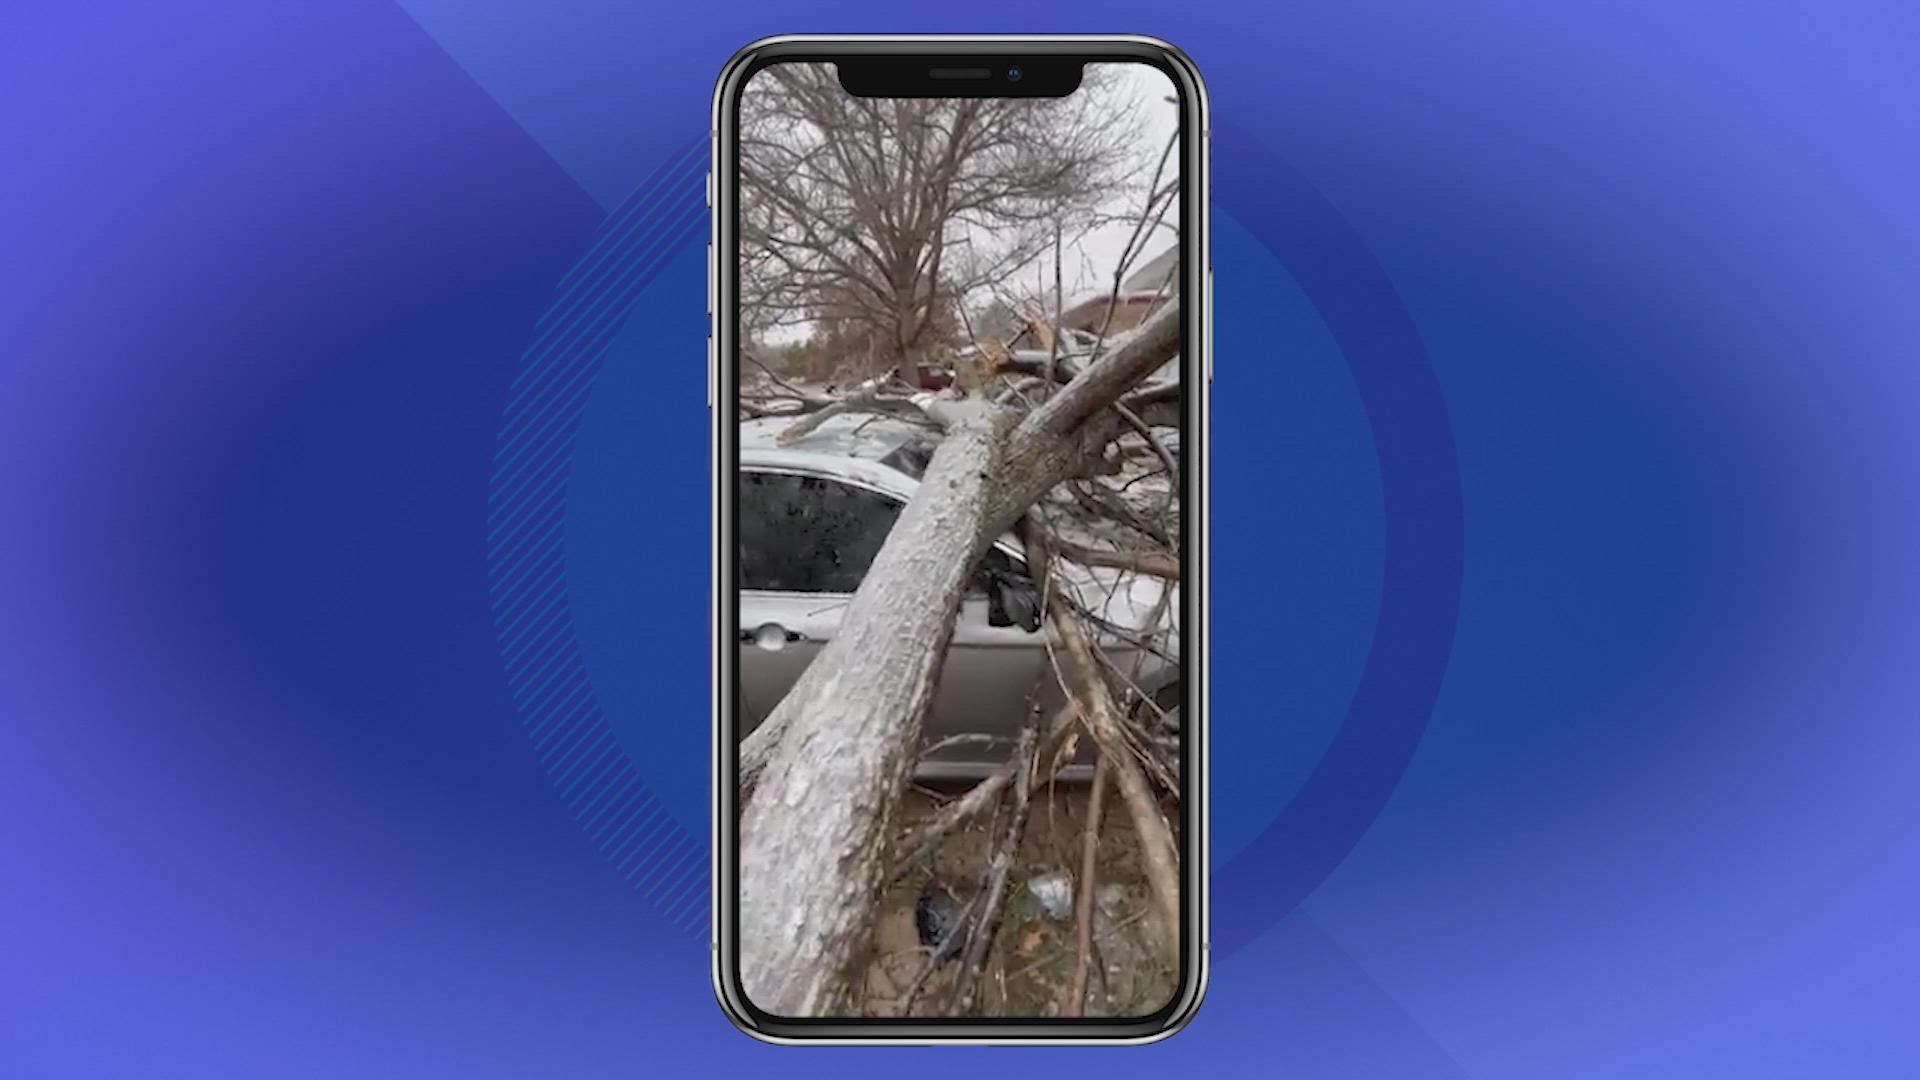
809 534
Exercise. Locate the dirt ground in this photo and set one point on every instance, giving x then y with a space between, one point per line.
1030 967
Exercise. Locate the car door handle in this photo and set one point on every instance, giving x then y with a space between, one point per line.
771 636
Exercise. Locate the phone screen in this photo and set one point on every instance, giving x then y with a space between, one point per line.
963 791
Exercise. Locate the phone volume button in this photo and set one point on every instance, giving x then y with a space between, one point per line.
1207 314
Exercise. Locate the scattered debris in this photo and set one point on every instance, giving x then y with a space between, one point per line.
936 915
1054 891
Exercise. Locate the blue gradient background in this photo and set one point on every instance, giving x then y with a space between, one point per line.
269 805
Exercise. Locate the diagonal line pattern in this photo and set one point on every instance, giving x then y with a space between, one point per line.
526 555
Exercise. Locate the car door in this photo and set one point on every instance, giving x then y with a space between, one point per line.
989 673
805 543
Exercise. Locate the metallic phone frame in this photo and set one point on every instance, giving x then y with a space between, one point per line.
1196 380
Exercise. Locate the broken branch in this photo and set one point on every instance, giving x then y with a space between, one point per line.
1076 1003
977 799
1088 689
994 889
1155 563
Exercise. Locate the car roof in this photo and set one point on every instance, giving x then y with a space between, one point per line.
881 451
856 435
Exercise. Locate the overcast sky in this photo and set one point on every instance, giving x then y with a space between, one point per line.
1088 264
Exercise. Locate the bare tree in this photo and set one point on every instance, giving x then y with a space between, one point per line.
873 219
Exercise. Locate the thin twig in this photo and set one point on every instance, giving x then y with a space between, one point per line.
1100 502
1053 339
962 739
1076 1003
999 868
792 390
1127 253
1160 450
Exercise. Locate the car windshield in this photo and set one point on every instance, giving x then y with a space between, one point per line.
814 534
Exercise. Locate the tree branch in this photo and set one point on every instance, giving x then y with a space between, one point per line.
1154 563
1088 689
1076 1003
1145 348
994 889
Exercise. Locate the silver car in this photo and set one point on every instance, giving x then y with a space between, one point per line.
813 514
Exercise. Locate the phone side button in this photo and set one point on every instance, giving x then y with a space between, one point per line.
1208 315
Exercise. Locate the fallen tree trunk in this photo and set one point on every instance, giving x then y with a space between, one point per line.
835 752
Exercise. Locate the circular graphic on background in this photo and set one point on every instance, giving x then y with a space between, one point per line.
577 618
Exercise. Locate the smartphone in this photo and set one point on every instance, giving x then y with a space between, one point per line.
959 366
